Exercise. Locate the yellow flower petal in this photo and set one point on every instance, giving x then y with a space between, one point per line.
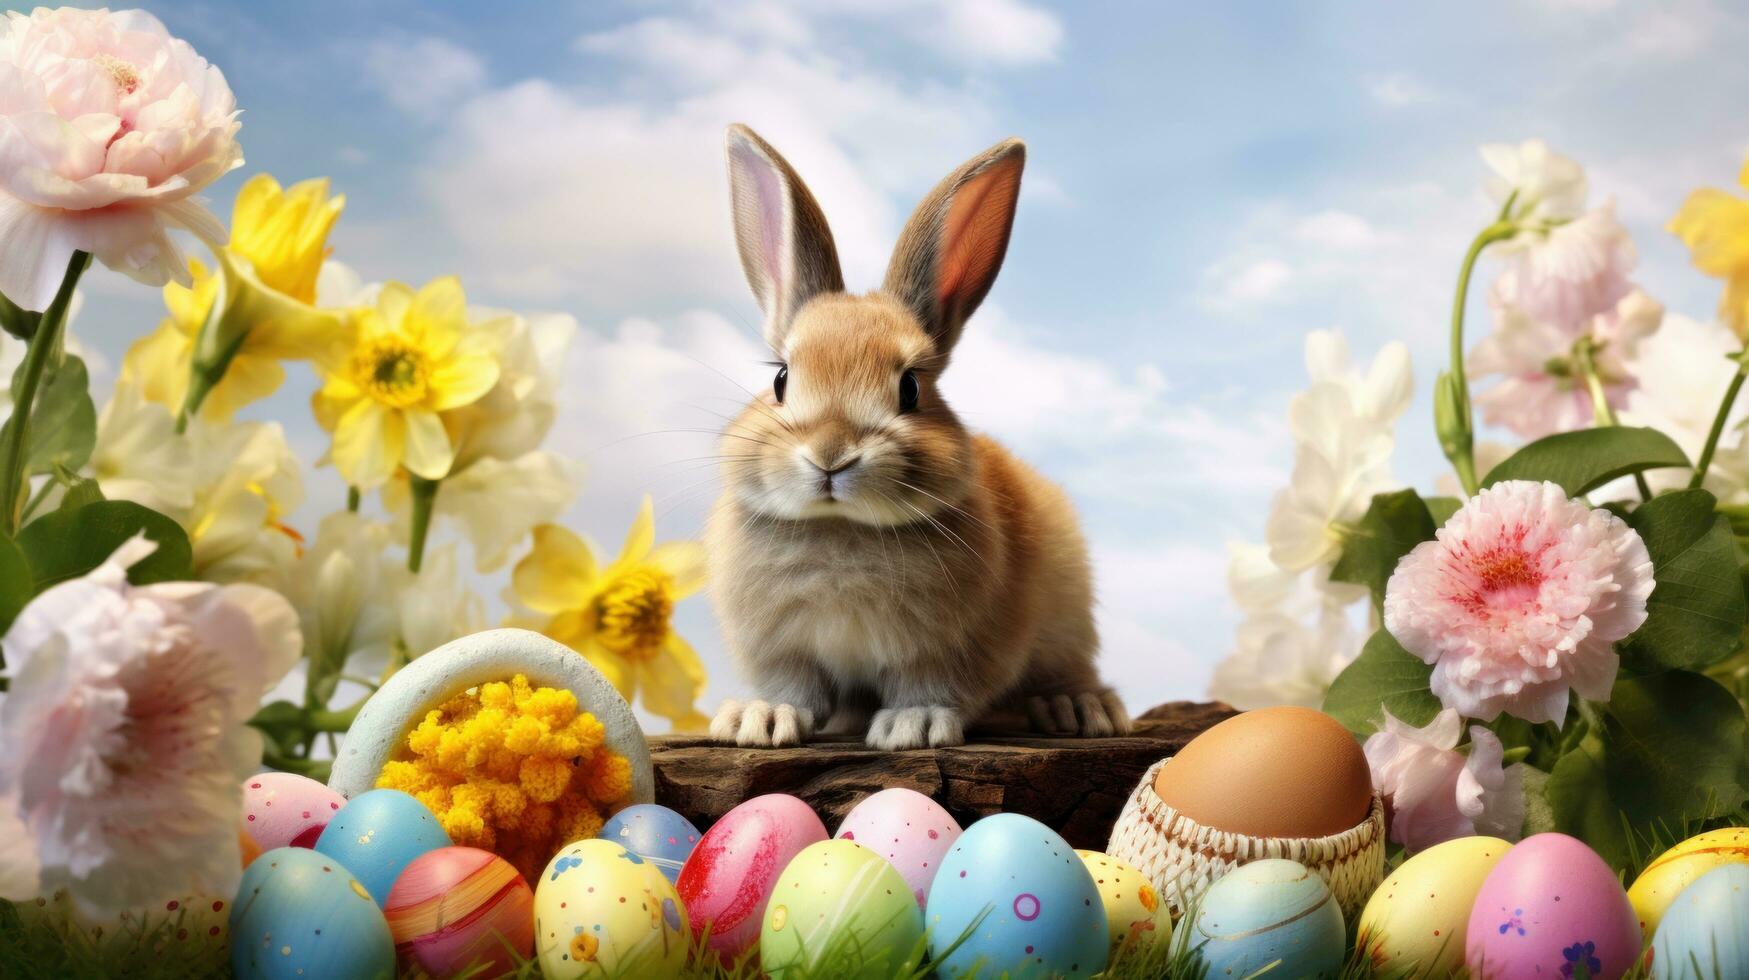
462 381
393 301
557 575
189 306
284 233
157 364
1715 227
369 441
617 670
438 314
642 534
684 563
671 682
429 452
249 379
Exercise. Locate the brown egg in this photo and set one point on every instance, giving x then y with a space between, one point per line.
1271 772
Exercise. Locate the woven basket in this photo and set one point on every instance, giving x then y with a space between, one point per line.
1182 857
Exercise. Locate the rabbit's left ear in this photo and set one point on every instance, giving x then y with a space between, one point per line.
951 249
786 247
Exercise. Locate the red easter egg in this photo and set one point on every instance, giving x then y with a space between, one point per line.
284 809
457 907
727 880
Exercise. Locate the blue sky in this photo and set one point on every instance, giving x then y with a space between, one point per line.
1206 183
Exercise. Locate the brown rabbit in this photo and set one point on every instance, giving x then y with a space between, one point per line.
868 552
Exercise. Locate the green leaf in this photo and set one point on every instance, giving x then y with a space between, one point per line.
1394 523
80 492
69 543
1669 750
1695 615
1442 508
63 425
16 582
1584 460
1384 676
284 724
18 322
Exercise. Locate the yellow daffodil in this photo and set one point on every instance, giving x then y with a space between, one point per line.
410 358
1714 224
620 617
266 283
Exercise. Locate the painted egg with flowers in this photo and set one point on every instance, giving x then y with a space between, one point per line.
1551 907
1418 918
909 829
458 908
602 911
284 809
1134 914
378 834
299 914
655 833
729 878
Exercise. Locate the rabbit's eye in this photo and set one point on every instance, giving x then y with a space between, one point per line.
908 392
780 383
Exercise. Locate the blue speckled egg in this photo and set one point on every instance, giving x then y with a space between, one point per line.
1705 932
377 834
300 914
1266 911
655 833
1045 916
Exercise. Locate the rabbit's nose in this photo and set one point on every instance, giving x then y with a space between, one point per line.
841 467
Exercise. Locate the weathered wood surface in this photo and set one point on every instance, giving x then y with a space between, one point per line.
1076 785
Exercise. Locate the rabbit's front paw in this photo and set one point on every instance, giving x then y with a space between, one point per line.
1094 714
762 723
913 728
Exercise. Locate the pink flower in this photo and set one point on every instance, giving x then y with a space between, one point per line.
1519 600
1578 271
1433 792
108 127
125 736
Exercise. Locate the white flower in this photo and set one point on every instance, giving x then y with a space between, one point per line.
139 456
1682 372
1280 659
246 482
497 503
1433 792
512 418
343 588
1549 187
436 606
108 127
125 732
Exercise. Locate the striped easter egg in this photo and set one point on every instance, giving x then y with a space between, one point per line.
457 907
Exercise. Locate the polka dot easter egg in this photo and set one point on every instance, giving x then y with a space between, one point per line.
729 877
1045 916
839 909
1549 908
1270 911
907 828
655 833
1418 918
458 908
284 809
1134 914
601 911
379 833
300 914
1705 932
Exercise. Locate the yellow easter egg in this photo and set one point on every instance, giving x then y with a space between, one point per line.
602 911
1681 866
1134 912
1418 917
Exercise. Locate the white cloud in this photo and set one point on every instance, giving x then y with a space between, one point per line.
1397 90
1338 229
1231 285
423 75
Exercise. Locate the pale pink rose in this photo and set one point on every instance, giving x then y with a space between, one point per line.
1577 272
108 127
125 734
1433 792
1519 600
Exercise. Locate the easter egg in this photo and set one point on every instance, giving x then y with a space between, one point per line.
907 828
1269 911
655 833
1705 932
1134 914
247 846
300 914
1549 907
729 877
1271 772
1418 918
840 909
377 834
458 907
284 809
1681 866
603 911
1045 916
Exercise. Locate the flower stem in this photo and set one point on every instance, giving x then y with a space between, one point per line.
1585 360
424 495
1718 429
1456 423
353 499
14 479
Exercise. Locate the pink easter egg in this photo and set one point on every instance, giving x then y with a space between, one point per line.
283 809
1550 907
458 907
907 828
728 879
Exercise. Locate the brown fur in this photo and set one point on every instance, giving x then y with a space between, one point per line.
937 576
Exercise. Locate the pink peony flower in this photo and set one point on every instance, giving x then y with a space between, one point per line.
108 127
1433 792
125 735
1520 600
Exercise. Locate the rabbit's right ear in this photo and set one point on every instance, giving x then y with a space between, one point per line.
786 247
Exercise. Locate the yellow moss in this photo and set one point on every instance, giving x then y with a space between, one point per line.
514 765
